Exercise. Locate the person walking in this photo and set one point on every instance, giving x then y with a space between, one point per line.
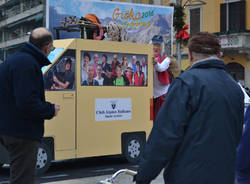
23 108
199 125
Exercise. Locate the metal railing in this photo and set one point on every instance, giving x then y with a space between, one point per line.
114 176
16 9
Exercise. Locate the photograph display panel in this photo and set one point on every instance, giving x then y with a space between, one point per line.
61 76
113 69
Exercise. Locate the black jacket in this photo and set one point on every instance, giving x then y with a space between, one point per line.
22 101
197 129
108 81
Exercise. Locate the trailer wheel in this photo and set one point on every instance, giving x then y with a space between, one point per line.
133 146
44 157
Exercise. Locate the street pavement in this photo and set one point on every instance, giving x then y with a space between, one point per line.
83 171
121 179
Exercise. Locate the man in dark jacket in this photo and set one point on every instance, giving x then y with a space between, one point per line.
199 126
22 105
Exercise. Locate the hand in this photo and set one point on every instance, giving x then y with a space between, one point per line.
53 86
57 109
55 79
155 60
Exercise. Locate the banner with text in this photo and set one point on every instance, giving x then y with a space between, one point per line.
140 22
111 109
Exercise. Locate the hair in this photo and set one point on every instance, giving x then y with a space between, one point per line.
204 44
104 55
41 40
118 66
174 67
87 54
99 65
139 64
109 68
68 60
123 63
90 64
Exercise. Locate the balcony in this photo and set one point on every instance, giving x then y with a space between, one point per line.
19 40
22 15
3 2
237 43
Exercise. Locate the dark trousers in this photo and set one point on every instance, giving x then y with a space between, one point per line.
23 157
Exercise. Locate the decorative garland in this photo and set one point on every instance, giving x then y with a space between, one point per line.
182 35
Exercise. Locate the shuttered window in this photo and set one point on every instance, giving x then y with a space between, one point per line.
233 16
195 20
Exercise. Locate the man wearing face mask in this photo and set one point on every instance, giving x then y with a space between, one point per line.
23 108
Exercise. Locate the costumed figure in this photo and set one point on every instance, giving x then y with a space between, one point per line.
161 74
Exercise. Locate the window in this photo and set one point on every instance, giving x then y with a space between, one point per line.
2 15
233 16
61 76
236 70
195 20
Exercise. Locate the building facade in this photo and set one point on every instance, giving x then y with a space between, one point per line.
229 19
17 17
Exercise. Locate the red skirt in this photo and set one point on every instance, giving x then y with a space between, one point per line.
157 104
